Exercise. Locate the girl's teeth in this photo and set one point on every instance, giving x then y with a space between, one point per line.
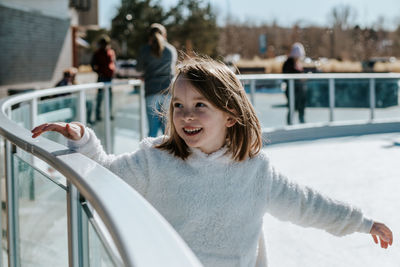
192 130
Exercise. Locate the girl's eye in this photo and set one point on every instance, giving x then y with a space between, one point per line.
200 105
177 105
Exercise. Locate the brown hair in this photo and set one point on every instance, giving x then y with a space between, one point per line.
219 85
157 36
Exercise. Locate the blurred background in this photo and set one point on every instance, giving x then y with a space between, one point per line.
41 38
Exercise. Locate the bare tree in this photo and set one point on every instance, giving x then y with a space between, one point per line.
342 17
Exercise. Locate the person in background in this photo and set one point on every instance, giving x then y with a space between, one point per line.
103 63
68 77
293 65
209 177
157 60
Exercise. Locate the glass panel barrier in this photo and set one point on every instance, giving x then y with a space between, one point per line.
269 102
42 211
102 250
387 98
20 114
125 123
43 167
352 99
57 108
317 101
97 125
90 96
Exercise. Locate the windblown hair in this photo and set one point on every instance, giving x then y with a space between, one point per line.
219 85
157 34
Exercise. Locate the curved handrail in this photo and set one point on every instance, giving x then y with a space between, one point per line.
135 234
312 131
316 76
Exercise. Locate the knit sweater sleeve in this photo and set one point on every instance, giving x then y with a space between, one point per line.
306 207
131 167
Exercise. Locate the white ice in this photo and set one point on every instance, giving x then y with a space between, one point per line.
361 170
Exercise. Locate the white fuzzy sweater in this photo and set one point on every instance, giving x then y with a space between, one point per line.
217 205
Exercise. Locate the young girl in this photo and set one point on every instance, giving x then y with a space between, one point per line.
208 176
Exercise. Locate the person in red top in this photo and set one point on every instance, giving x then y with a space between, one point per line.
103 63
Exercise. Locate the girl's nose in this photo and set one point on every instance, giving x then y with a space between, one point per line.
188 114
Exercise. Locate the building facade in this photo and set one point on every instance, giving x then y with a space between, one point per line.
37 40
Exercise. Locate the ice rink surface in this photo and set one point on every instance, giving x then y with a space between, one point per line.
361 170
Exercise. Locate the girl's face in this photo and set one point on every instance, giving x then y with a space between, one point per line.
198 122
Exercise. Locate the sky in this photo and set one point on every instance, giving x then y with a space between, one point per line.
284 12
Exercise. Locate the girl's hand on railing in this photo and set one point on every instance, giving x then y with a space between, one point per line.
383 232
73 130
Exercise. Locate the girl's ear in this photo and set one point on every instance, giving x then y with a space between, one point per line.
230 121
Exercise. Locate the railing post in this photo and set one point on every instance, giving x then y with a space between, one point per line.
252 91
84 238
372 98
331 98
291 101
12 207
74 255
82 107
81 221
142 106
33 121
107 115
33 112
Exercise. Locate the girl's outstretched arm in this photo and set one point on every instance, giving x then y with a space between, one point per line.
73 130
383 232
304 206
131 167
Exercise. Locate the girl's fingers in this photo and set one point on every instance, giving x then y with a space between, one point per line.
386 234
71 130
39 129
384 244
389 235
56 127
375 239
46 127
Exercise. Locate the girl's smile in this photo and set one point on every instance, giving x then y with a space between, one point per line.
197 121
191 131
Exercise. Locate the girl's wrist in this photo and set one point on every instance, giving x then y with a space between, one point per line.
367 225
85 135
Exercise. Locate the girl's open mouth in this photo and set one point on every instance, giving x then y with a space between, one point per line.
192 131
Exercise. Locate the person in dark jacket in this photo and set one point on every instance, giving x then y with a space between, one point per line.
157 61
103 63
68 77
293 65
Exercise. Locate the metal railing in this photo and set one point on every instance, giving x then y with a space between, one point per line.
331 77
132 231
